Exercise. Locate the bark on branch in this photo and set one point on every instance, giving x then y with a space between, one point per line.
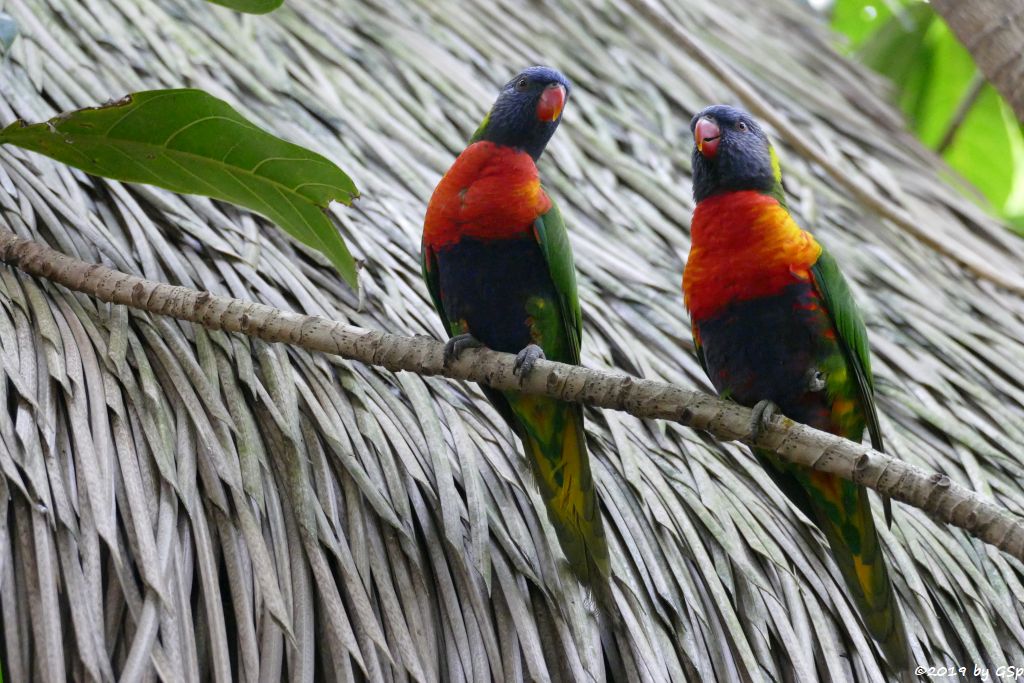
993 32
932 492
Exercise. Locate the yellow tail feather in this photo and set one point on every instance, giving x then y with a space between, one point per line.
552 434
858 553
842 511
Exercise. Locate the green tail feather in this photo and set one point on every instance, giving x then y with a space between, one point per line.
867 577
842 511
552 434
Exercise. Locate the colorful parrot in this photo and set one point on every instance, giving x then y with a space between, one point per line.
775 327
497 261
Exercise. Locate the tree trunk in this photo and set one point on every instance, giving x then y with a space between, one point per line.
993 32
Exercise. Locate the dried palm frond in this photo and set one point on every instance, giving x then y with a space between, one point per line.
201 505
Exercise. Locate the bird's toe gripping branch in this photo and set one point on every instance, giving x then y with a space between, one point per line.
454 347
761 415
526 359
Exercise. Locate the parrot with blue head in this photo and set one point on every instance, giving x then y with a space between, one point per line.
497 261
775 327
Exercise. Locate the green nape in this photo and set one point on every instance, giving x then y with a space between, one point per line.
481 130
777 191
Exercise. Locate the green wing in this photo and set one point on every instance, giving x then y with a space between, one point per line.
428 264
698 350
853 340
556 441
554 242
852 335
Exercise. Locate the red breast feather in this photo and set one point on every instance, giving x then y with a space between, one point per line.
490 192
745 246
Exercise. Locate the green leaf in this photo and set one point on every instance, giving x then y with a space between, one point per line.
951 70
250 6
1017 223
190 142
982 149
1013 208
899 49
859 19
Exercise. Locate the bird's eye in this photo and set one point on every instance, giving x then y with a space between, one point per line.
522 84
741 127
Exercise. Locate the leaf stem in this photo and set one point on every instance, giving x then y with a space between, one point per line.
970 97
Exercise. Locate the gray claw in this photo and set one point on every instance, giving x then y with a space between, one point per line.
526 359
454 347
763 412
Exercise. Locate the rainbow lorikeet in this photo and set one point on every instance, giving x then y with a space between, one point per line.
497 261
775 326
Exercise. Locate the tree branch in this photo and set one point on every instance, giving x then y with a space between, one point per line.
796 443
993 33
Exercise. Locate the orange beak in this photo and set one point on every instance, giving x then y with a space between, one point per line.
552 100
707 134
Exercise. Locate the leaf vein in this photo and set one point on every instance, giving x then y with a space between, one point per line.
256 168
167 143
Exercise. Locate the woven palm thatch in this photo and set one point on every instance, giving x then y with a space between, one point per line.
192 505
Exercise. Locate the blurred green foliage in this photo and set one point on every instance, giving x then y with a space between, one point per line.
250 6
944 96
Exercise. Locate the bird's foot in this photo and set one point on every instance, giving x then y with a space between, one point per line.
760 417
454 347
526 359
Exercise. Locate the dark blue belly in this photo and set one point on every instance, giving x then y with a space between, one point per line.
770 349
487 284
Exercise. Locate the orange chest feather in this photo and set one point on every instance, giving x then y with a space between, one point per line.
744 245
490 192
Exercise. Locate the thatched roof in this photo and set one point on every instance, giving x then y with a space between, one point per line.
199 505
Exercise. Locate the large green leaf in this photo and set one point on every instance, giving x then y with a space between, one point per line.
950 72
250 6
899 49
982 148
191 142
1014 206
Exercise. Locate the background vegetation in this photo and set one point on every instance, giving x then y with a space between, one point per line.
945 98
